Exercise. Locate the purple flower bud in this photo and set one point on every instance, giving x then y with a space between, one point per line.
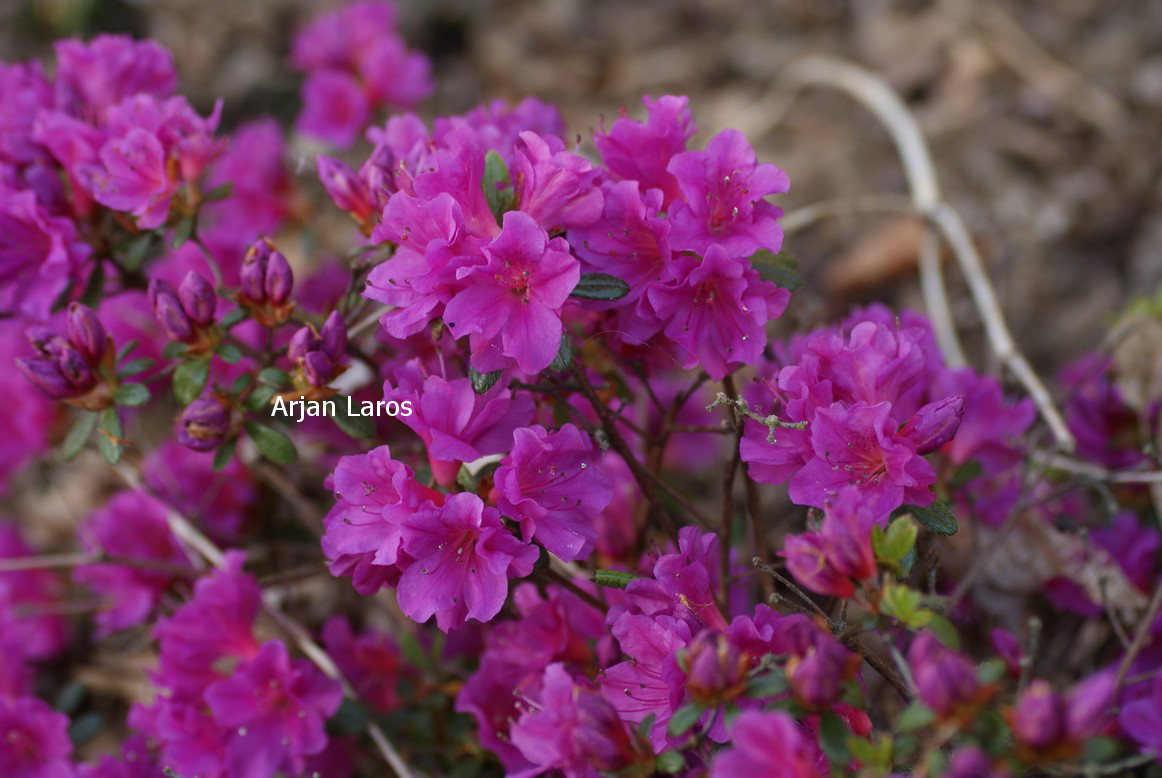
204 424
344 187
43 339
303 341
600 736
817 676
1038 719
169 311
935 424
334 337
198 298
252 275
970 762
85 332
318 368
716 669
45 376
75 368
279 278
1087 709
945 680
806 557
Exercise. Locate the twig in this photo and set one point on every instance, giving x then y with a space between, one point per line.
1140 637
563 580
743 411
726 530
874 93
1096 472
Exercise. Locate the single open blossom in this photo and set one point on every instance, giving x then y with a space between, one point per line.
549 484
39 255
457 424
554 186
93 76
132 526
641 151
716 309
261 190
511 304
276 707
24 91
34 741
575 730
723 190
683 584
463 558
769 744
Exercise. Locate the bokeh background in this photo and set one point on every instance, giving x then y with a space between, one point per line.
1044 117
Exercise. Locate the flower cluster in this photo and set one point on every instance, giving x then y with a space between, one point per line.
622 529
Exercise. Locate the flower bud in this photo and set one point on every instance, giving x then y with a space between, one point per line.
204 424
600 737
45 376
334 337
318 368
279 279
807 561
971 762
1038 720
945 680
1087 709
75 368
935 424
716 669
817 676
85 332
345 188
303 341
169 311
198 299
252 275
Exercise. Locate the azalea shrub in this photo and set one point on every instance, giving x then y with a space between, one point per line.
541 476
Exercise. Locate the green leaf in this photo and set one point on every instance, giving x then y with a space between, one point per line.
915 716
137 251
411 650
78 435
173 349
134 366
781 269
833 739
224 454
600 286
109 441
646 726
498 190
350 719
258 401
894 544
466 768
239 384
190 379
183 231
271 443
683 719
95 289
770 685
564 359
230 353
482 382
944 631
132 395
274 377
232 317
355 425
936 518
670 762
613 579
992 671
220 192
69 698
908 562
86 727
965 473
126 350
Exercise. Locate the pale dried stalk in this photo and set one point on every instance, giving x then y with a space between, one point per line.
190 536
874 93
1096 472
919 169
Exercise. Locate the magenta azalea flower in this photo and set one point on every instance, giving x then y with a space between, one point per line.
93 76
371 661
133 526
716 309
39 255
1142 718
637 151
515 297
769 744
36 742
335 107
550 485
723 190
457 424
41 635
24 92
276 707
945 679
464 558
553 186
